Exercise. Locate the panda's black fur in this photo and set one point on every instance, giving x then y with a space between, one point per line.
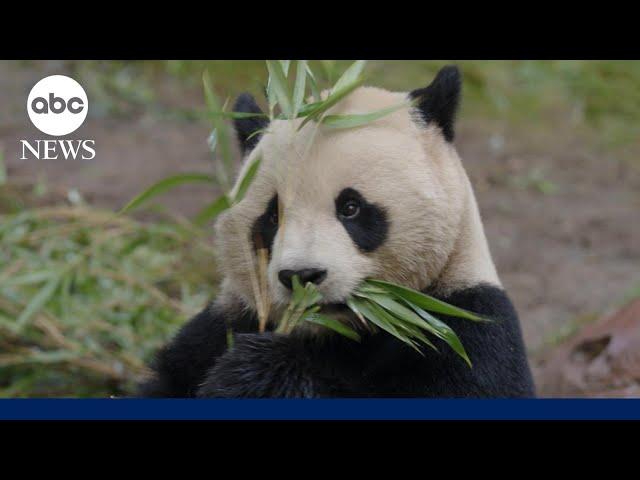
439 101
197 362
248 129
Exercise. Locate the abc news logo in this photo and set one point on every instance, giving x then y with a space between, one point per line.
57 105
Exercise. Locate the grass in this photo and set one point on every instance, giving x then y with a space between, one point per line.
86 297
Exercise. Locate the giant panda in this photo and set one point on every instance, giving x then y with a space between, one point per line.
387 200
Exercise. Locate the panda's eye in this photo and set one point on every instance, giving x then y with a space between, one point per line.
273 217
350 209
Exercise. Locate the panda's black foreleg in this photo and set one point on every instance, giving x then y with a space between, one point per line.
261 366
180 367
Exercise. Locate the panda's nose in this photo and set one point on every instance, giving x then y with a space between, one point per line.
313 275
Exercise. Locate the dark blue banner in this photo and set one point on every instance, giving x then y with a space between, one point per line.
329 409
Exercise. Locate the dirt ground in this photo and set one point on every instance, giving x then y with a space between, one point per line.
563 221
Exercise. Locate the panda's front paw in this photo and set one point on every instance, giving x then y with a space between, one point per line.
259 366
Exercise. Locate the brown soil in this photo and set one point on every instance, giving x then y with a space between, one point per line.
565 256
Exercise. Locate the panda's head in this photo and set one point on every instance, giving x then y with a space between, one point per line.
387 200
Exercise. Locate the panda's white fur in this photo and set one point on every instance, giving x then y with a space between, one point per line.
398 162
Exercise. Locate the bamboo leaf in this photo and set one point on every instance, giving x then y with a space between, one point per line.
271 96
328 103
278 81
334 325
329 67
298 290
212 210
285 66
366 287
359 119
444 332
235 115
220 126
402 318
365 308
212 140
299 87
248 177
395 308
213 105
378 317
305 110
315 90
350 76
257 132
312 295
416 333
163 186
425 301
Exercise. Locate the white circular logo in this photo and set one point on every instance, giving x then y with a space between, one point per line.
57 105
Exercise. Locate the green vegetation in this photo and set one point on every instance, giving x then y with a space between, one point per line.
86 297
378 305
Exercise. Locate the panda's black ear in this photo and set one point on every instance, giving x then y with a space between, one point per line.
246 127
438 103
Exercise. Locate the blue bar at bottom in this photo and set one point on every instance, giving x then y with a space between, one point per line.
320 409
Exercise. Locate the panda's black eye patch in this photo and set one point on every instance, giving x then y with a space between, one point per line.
265 227
366 223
